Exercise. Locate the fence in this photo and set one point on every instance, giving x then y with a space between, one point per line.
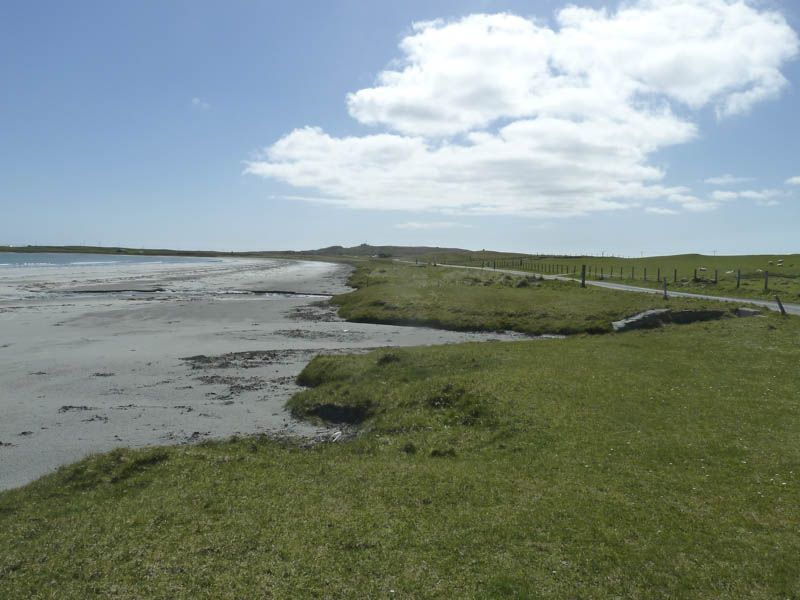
618 272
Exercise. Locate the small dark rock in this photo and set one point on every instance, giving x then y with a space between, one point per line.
437 453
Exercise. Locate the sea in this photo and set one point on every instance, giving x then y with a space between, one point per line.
22 260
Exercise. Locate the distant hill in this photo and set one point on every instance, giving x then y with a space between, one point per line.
368 250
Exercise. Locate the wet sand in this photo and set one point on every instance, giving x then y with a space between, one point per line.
95 358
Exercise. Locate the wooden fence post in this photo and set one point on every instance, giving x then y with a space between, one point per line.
695 274
780 305
766 281
665 288
645 274
658 275
738 278
633 272
716 276
676 276
583 276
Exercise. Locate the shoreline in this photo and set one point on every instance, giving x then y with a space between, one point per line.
88 368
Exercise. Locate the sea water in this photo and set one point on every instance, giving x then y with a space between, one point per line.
18 260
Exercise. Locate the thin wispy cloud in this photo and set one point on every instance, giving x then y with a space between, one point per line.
499 114
433 225
200 104
693 203
660 211
727 195
728 180
793 181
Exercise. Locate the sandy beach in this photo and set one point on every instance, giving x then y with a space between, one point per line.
95 358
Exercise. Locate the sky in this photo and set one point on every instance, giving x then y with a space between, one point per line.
646 127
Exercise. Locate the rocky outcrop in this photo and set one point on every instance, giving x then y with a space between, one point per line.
644 320
659 316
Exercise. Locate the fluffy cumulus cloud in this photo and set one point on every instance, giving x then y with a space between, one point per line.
498 114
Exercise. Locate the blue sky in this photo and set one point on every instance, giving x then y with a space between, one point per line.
269 125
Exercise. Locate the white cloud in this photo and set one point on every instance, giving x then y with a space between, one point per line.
660 211
762 195
693 203
200 104
724 196
432 225
793 181
500 114
749 194
727 180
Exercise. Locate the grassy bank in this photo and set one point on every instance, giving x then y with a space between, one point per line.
661 464
474 300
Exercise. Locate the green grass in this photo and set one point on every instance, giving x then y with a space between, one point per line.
783 280
481 300
660 464
655 464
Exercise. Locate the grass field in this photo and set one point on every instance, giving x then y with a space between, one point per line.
686 273
655 464
472 299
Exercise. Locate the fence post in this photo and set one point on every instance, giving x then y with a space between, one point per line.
665 288
738 278
766 281
658 275
676 276
583 276
645 274
780 305
716 276
695 274
601 272
633 272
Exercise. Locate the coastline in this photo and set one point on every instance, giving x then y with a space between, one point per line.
200 351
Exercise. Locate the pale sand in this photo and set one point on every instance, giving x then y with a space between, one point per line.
82 373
